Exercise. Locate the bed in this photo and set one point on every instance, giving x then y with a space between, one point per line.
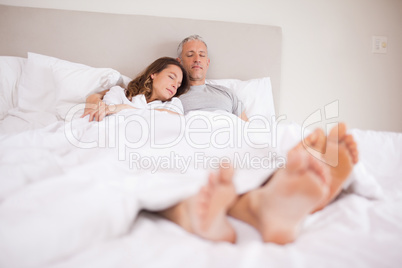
80 194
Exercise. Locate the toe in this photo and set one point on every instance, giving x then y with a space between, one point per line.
352 147
226 173
312 138
355 157
337 133
321 141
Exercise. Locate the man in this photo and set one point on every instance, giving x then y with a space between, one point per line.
193 55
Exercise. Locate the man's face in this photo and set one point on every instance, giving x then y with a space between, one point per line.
194 59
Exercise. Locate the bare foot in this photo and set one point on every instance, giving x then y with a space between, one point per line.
208 209
339 152
205 214
279 207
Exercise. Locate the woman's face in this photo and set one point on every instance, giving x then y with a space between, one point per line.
166 83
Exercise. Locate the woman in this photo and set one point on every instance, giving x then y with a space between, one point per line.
157 87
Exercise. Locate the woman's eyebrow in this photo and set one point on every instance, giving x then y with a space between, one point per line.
174 74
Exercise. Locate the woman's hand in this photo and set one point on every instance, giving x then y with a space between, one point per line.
96 111
115 108
93 105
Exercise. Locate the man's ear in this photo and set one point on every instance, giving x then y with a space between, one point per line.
179 60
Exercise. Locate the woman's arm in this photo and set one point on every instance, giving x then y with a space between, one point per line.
94 105
105 110
111 104
115 108
167 110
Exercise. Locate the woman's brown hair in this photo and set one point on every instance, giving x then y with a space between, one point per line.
142 84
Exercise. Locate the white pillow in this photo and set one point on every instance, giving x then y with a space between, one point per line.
255 94
74 82
36 91
125 80
53 85
10 74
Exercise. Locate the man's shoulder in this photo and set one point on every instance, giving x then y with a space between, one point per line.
207 88
217 87
222 89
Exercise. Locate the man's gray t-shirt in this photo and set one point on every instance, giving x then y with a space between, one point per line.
210 98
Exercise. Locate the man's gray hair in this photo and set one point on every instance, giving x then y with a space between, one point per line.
187 39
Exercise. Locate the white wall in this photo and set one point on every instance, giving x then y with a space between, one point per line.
326 49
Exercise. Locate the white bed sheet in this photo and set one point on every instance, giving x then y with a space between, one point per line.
62 206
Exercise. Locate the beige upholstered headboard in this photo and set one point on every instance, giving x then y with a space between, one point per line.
128 43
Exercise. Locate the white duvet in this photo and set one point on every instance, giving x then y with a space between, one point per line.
71 195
